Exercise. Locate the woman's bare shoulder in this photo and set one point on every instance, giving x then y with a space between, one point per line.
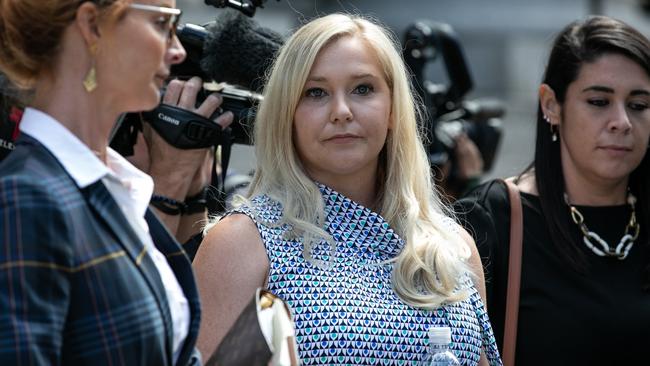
234 241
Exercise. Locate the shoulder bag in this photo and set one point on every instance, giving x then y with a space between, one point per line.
514 274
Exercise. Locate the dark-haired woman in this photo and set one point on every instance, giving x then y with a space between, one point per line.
584 296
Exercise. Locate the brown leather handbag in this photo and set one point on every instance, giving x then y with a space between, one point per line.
514 274
245 343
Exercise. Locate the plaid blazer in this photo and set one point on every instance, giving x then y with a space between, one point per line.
76 285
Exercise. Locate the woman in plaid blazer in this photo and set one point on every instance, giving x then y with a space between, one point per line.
88 274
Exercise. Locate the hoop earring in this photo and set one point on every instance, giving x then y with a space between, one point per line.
90 81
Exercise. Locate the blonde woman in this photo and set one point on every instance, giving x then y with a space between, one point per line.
341 219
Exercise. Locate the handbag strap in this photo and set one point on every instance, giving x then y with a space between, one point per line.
514 274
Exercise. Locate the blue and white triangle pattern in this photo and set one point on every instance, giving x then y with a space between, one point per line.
347 313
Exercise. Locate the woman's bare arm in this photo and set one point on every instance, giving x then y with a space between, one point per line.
230 265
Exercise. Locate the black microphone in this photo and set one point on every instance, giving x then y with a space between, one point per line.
239 51
232 49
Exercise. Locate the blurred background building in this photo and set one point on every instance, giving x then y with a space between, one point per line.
505 44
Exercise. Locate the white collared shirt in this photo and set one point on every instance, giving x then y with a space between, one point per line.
131 189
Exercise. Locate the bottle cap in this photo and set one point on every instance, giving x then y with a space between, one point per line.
440 335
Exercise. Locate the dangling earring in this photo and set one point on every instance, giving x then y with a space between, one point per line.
552 127
90 81
553 133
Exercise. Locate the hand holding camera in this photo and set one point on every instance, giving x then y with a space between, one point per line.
170 166
171 163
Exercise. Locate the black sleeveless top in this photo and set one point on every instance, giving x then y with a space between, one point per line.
566 317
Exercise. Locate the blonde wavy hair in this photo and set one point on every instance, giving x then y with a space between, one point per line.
430 269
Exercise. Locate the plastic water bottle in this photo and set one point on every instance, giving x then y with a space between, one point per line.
439 353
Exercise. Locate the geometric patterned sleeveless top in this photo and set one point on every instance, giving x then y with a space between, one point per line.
347 313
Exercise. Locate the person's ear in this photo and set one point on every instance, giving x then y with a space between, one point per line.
551 108
87 21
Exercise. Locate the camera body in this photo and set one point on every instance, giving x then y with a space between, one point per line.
448 113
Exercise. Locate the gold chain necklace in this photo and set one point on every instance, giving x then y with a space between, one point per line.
624 245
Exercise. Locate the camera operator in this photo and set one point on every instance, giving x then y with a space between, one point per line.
463 135
232 53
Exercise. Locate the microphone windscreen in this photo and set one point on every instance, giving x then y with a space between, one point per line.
238 51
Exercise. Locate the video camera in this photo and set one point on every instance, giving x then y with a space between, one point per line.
233 51
213 54
447 112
